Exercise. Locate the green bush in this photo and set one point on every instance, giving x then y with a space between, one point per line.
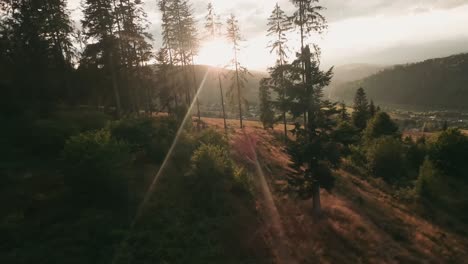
213 137
385 159
94 166
212 162
379 126
449 153
153 136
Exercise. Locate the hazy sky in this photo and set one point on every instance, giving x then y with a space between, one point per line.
360 31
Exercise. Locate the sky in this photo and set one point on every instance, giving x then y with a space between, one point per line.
380 32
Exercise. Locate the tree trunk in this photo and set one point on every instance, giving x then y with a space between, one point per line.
115 85
317 207
222 101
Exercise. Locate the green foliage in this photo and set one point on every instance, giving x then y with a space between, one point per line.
385 159
153 136
361 109
379 126
212 137
449 153
346 134
415 153
94 166
429 180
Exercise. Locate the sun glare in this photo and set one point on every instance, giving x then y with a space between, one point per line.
216 53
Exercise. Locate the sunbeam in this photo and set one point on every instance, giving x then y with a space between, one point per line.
187 117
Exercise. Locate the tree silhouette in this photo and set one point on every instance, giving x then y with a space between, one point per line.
239 79
213 26
361 109
279 23
307 19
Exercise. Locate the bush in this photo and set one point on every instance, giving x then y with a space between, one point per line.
211 161
385 159
211 170
213 137
153 136
94 166
379 126
449 152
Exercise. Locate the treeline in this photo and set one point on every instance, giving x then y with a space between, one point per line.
427 172
47 62
435 83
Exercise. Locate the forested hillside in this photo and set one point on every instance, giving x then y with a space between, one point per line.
435 83
351 72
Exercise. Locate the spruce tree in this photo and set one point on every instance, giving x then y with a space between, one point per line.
279 24
213 27
344 116
239 77
36 36
308 19
98 25
314 152
361 109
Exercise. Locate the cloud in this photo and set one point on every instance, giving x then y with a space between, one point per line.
341 10
386 29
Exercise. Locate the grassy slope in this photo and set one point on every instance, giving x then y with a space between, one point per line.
362 223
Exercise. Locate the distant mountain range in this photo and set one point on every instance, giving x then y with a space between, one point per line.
432 84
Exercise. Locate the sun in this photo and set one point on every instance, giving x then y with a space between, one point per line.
216 53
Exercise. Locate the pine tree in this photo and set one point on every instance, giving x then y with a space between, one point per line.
98 25
279 24
344 116
314 148
361 110
37 37
239 77
307 19
213 26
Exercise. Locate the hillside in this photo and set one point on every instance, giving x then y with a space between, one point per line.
351 72
435 83
363 222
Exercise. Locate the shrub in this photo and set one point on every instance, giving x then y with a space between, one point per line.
385 159
449 152
213 137
94 166
153 136
211 170
212 162
379 126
